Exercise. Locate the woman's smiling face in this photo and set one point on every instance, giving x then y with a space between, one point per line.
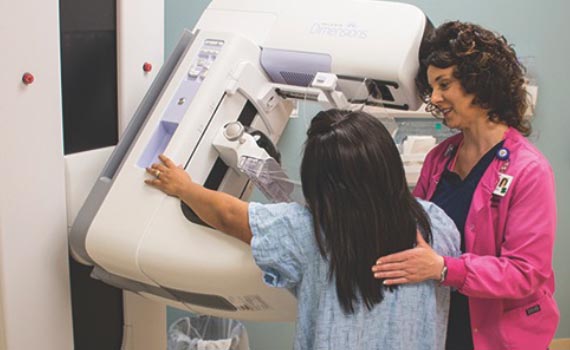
448 96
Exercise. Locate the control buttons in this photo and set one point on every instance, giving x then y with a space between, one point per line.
206 53
206 56
213 42
194 72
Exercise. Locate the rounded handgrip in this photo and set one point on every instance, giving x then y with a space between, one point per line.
233 131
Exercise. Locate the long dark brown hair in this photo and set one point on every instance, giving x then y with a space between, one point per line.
485 64
354 185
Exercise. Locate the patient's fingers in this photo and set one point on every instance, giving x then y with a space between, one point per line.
153 182
167 161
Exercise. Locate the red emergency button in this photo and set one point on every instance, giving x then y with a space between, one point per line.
147 67
27 78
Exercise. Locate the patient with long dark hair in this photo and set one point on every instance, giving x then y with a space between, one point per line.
358 207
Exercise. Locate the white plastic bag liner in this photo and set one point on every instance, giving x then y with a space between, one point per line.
207 333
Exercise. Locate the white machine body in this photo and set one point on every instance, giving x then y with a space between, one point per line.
357 39
232 70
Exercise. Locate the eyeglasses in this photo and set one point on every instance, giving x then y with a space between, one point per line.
435 111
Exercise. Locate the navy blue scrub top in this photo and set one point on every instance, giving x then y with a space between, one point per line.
454 196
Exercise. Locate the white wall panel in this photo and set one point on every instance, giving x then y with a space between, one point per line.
140 40
34 279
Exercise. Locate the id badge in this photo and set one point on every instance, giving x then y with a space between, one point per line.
503 185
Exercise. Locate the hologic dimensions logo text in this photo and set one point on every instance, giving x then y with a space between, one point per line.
338 30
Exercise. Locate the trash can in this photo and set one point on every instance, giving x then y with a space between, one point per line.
207 333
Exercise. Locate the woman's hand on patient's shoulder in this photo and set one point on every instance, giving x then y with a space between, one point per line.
170 178
414 265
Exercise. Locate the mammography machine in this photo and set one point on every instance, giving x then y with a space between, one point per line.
239 70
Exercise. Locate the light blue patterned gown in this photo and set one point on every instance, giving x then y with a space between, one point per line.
413 317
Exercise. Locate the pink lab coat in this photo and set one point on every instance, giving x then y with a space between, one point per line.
507 268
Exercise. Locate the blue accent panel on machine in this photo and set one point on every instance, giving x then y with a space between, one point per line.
180 102
294 67
157 143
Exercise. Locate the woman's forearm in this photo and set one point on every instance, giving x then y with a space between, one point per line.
219 210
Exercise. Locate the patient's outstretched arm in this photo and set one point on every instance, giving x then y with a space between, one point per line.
219 210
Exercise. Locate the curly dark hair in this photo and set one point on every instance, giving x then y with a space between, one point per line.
485 65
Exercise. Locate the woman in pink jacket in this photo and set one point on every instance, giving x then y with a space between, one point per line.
498 189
